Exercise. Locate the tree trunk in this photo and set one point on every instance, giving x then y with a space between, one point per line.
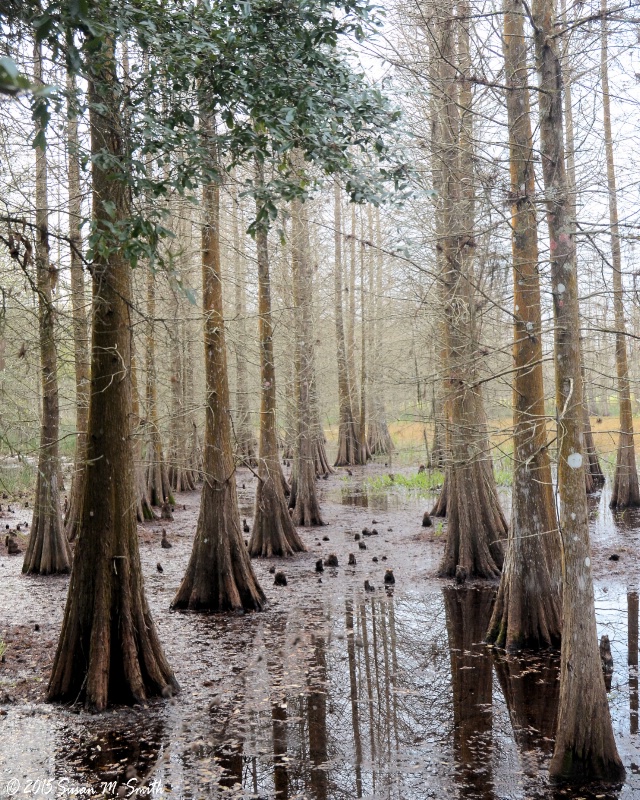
348 446
585 746
365 455
219 575
350 307
475 520
378 436
48 550
245 440
594 477
158 486
626 491
273 532
80 322
527 613
303 499
108 650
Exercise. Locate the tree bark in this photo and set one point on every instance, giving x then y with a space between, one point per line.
303 499
365 455
245 440
475 520
108 650
528 609
348 445
585 747
48 550
219 575
594 477
158 486
378 436
80 321
273 532
626 491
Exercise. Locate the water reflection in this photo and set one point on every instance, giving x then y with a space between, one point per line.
632 659
468 614
370 696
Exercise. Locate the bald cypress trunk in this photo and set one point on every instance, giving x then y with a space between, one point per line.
303 499
626 491
158 485
528 609
219 575
594 477
108 649
476 524
245 440
80 321
48 550
585 746
274 533
348 445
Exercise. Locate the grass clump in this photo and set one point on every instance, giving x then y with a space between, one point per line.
420 482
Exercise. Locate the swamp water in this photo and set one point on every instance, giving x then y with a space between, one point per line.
333 693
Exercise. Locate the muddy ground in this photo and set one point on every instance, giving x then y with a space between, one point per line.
333 691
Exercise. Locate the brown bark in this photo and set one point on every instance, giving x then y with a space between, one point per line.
219 575
476 524
527 613
274 533
585 747
246 444
350 308
108 649
625 491
48 550
80 321
348 446
303 499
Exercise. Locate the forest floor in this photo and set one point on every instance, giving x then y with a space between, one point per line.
333 691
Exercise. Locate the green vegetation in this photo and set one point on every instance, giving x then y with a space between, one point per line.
425 482
15 478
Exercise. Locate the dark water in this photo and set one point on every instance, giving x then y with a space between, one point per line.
383 696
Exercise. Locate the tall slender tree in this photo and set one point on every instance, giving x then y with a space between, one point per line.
273 532
626 491
108 649
303 499
48 550
528 607
476 524
348 445
219 576
79 311
585 747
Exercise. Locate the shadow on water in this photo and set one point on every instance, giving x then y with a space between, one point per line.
384 695
383 500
